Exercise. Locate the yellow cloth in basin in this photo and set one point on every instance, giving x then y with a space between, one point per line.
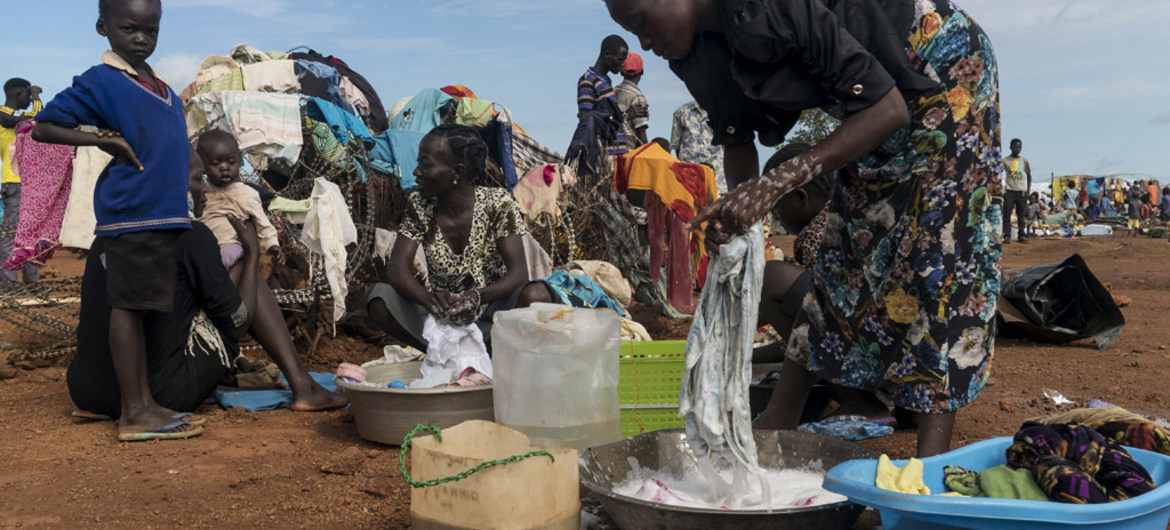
906 479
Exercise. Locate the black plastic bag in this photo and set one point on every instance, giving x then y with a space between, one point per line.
1060 302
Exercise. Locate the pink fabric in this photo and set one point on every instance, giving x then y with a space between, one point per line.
665 226
230 253
351 371
46 174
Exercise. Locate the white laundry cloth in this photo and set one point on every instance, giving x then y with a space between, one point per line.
384 244
271 76
714 394
454 347
328 229
77 229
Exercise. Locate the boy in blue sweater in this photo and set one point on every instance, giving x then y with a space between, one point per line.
140 200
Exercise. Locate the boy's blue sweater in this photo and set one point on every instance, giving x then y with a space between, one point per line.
128 200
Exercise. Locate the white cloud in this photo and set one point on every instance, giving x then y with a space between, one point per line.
1161 119
178 68
1113 91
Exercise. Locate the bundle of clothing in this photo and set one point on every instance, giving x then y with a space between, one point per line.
1075 464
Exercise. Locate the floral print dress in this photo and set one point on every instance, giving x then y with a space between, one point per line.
907 281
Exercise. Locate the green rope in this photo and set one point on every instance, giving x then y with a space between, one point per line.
434 429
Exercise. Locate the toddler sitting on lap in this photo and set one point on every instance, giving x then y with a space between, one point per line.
228 197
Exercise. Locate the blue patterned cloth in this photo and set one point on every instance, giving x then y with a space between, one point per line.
578 290
907 281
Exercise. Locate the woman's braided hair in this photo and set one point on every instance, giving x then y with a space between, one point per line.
467 148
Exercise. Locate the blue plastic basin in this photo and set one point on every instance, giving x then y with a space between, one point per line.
855 479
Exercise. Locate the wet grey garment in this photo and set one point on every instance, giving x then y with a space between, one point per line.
714 394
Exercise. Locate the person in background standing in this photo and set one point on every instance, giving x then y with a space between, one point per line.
1165 204
19 94
1134 197
692 138
599 131
1016 185
632 102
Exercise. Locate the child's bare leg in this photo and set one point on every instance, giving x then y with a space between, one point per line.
934 433
140 413
270 330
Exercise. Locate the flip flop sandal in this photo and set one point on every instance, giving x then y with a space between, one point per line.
166 432
192 418
87 415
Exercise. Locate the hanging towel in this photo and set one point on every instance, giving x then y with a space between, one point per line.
328 229
264 124
353 97
217 73
343 123
46 172
670 244
471 111
79 223
535 195
718 371
271 76
399 148
424 111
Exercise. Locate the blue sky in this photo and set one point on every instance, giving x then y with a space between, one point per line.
1083 82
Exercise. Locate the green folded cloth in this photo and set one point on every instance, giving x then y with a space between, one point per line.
1003 482
999 482
962 481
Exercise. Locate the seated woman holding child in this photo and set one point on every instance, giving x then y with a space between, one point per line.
471 237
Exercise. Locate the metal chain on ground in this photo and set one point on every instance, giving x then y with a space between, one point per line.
458 476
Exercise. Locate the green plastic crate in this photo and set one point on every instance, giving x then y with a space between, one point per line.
651 374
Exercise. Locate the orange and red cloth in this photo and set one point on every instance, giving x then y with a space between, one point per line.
677 192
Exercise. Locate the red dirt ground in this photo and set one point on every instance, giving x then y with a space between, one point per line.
283 469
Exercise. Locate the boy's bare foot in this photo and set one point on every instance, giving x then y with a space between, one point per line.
318 399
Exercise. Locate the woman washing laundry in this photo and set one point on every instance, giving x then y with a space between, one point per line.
470 236
905 287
